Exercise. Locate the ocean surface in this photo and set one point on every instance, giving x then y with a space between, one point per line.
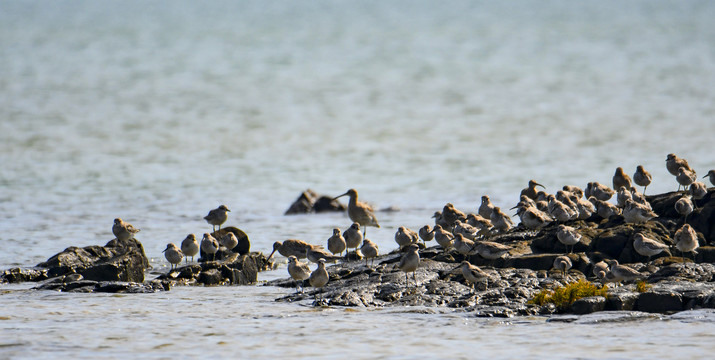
159 111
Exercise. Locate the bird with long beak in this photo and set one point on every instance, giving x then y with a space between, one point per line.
360 212
291 247
531 191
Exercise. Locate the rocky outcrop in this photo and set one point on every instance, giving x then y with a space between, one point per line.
76 283
310 202
233 270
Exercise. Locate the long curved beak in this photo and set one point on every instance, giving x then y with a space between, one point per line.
706 176
335 198
514 207
540 185
269 256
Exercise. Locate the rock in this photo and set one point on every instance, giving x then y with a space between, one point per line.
70 284
588 305
309 201
622 301
18 275
210 277
116 261
243 247
240 270
659 302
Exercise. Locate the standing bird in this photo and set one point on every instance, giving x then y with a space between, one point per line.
491 250
319 278
426 234
567 235
637 213
500 220
209 245
622 272
443 237
686 240
531 191
123 231
298 271
451 214
353 237
439 220
472 273
173 255
642 177
217 216
409 262
602 192
369 250
360 212
620 178
711 174
562 263
405 237
684 206
486 207
463 245
646 246
336 243
317 253
685 177
291 247
673 163
190 247
229 241
598 267
698 190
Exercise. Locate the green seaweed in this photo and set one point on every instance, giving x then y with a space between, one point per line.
563 296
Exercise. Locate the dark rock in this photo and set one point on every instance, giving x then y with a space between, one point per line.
116 261
588 305
210 277
659 302
18 275
622 301
309 201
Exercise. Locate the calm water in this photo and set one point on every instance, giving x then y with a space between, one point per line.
157 112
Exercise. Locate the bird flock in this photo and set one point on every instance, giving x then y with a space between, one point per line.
472 233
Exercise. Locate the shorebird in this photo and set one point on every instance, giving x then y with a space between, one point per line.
315 254
426 234
319 277
646 246
600 266
190 247
622 195
443 237
217 216
533 218
686 240
336 243
485 208
684 206
711 174
369 250
229 241
291 247
491 250
353 237
642 177
622 272
209 245
698 190
409 262
584 208
123 231
620 178
685 177
560 211
439 220
500 220
577 191
298 271
637 213
405 237
463 245
639 197
472 273
602 192
673 163
604 209
562 263
479 222
468 231
531 191
451 214
567 235
359 211
173 255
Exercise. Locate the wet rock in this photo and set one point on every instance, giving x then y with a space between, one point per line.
18 275
588 305
116 261
622 301
310 202
242 248
660 302
238 270
210 277
78 284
